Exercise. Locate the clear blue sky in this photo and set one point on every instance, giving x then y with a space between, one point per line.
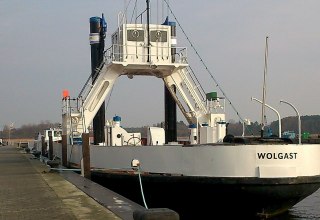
45 49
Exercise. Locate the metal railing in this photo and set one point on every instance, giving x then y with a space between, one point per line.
138 53
116 53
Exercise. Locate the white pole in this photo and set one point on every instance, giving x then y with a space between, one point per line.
243 128
273 109
264 93
299 120
198 141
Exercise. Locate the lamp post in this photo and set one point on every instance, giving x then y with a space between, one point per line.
273 109
299 120
11 126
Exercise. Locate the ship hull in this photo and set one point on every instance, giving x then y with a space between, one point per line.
202 197
261 180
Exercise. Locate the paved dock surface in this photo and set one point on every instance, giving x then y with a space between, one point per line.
28 190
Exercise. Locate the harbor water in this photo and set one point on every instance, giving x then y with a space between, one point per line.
307 209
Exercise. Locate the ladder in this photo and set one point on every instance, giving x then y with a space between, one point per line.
74 121
188 91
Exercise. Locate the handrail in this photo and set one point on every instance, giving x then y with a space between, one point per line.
90 80
116 53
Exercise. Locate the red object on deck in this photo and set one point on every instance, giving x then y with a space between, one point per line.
65 93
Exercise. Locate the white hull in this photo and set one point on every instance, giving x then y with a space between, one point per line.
263 161
258 180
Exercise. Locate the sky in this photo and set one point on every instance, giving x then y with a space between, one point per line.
44 49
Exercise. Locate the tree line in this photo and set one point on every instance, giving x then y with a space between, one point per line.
310 124
26 131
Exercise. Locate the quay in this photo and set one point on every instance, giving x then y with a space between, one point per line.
29 190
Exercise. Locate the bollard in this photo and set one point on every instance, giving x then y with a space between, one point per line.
64 150
86 156
50 154
43 147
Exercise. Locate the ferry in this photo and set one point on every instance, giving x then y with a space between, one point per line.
214 173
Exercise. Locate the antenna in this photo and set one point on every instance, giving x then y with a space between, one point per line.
263 121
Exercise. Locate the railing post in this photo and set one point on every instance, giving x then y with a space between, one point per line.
86 156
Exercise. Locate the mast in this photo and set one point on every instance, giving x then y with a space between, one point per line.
264 88
148 29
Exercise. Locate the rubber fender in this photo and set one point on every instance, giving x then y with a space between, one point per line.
155 214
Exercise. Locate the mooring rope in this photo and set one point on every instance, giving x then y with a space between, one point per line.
141 188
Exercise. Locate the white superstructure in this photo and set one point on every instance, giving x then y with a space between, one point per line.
134 52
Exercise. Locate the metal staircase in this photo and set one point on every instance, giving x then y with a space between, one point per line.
189 95
77 114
